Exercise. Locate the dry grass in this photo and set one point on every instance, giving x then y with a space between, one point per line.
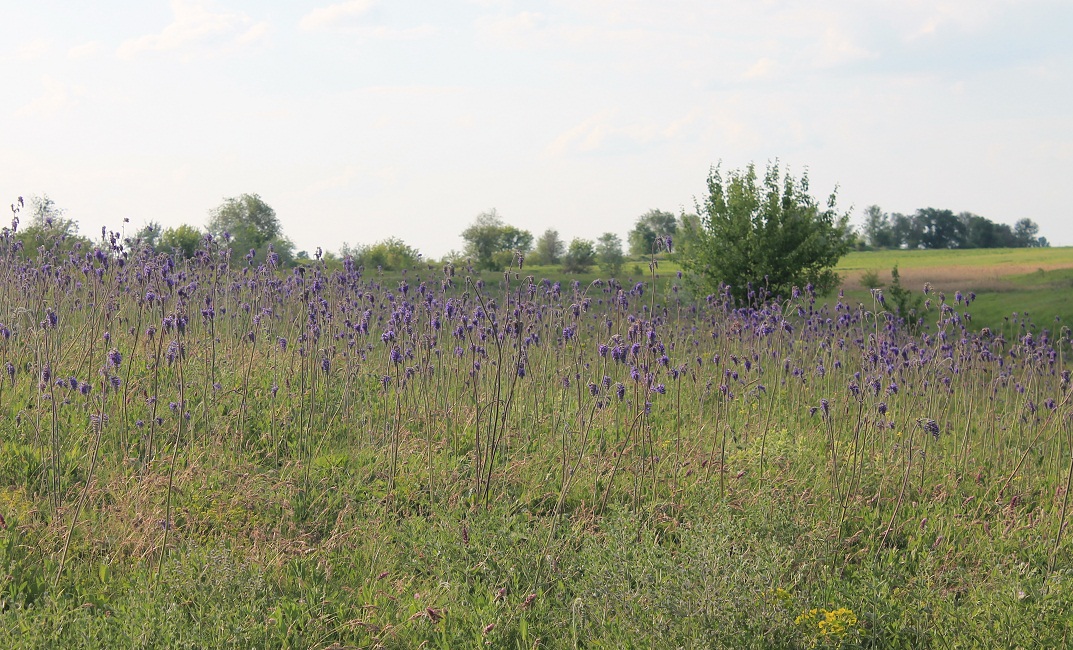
953 278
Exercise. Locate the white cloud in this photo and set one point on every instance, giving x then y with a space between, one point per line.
383 33
84 50
348 176
195 24
34 49
837 47
530 29
600 131
764 67
252 35
585 136
353 177
54 99
333 15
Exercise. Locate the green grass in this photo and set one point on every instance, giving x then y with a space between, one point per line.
309 503
1010 284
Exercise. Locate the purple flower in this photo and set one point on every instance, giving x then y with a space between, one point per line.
930 426
173 351
114 358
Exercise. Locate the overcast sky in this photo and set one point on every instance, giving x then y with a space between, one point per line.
362 120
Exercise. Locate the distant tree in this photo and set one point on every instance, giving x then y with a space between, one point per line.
493 243
549 248
247 223
979 232
182 241
768 235
1026 233
689 227
147 235
49 228
609 254
579 257
390 254
905 231
938 228
649 227
877 229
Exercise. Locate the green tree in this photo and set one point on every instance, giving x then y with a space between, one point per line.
49 229
905 231
182 242
247 223
580 256
147 235
878 231
939 228
549 248
769 235
649 227
609 254
392 254
1026 233
493 243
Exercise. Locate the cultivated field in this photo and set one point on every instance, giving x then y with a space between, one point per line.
213 455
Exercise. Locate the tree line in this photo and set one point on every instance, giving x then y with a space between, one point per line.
935 228
751 236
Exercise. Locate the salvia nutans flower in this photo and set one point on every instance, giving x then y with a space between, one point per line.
929 426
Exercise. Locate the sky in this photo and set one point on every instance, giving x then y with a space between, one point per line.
362 120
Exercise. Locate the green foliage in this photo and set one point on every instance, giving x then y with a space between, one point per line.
492 243
609 254
549 248
391 254
770 235
182 241
580 256
902 302
247 223
49 229
147 235
870 279
649 227
941 229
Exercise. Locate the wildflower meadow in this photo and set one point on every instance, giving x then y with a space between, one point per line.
217 453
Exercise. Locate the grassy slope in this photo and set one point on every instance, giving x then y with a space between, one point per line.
1032 281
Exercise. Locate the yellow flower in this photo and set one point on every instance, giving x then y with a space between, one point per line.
829 625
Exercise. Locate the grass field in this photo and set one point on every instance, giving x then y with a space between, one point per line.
1006 281
208 455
